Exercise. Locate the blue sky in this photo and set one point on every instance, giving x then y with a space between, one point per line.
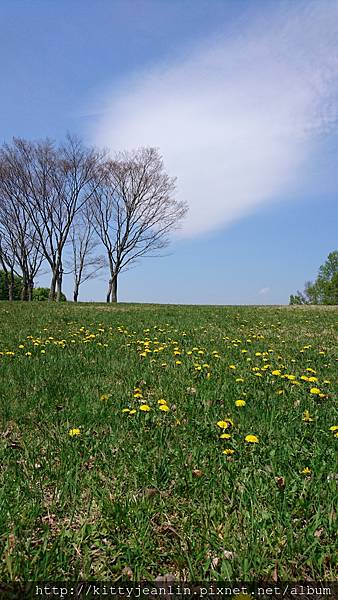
241 98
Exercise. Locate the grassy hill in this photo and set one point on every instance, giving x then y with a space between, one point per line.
124 448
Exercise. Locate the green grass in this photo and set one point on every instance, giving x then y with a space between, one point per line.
153 491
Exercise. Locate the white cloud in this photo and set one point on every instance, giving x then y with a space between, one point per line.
264 291
236 119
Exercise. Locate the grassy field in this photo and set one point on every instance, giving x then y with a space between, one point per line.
124 449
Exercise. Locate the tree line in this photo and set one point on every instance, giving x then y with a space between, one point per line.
324 290
77 209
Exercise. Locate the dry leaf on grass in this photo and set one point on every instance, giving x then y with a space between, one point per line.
275 574
128 572
151 492
228 554
191 390
280 482
318 533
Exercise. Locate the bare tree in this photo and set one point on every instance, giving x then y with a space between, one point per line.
8 264
134 210
18 235
86 263
53 184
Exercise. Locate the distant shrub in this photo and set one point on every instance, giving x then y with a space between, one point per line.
297 299
325 289
41 294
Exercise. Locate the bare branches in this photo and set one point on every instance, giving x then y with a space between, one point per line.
51 185
86 263
134 210
54 197
20 247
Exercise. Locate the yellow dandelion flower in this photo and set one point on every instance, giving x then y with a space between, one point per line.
124 410
232 367
276 372
306 471
252 439
104 396
164 407
334 428
223 424
306 416
225 436
315 391
240 403
75 431
145 407
228 451
178 362
138 395
133 411
161 401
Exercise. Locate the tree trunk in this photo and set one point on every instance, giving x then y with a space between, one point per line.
109 290
51 297
24 290
6 282
76 292
11 287
59 284
114 288
30 290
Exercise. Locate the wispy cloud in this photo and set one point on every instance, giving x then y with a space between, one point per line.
264 291
236 119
